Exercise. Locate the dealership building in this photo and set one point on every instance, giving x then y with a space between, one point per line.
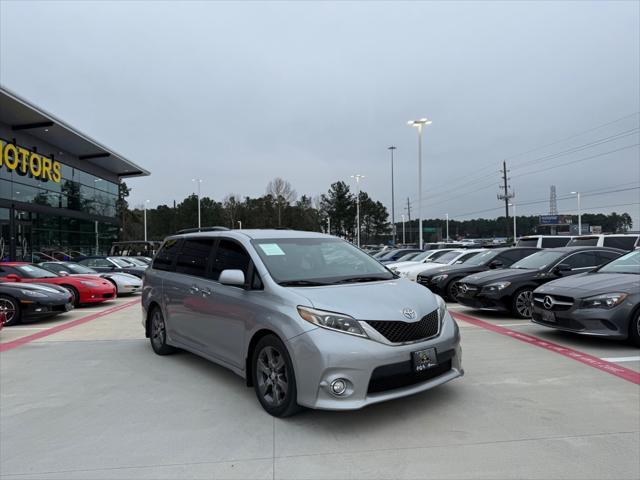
58 187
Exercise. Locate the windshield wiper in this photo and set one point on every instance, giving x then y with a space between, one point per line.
360 279
301 283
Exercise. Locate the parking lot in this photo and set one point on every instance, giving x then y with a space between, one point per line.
83 396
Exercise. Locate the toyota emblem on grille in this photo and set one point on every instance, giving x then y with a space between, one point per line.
409 313
548 302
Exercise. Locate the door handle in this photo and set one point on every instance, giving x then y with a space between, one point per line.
194 289
206 292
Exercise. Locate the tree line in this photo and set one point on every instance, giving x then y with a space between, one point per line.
334 212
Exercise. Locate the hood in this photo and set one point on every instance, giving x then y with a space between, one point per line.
490 276
372 300
588 284
418 268
459 268
36 287
401 264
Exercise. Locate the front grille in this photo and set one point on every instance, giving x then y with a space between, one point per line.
107 295
467 289
399 375
424 281
561 303
561 322
400 332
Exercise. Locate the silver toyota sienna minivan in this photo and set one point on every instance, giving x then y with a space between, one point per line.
307 319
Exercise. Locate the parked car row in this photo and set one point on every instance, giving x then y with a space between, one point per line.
46 289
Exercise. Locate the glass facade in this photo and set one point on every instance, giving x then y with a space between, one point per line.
64 219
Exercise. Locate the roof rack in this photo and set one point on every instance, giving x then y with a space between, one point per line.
202 229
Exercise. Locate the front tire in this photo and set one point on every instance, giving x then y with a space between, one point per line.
11 308
273 377
522 303
75 296
452 291
158 333
634 329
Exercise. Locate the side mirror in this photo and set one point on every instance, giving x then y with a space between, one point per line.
562 268
495 264
231 277
12 277
63 273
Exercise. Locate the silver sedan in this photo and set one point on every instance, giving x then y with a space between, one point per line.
125 283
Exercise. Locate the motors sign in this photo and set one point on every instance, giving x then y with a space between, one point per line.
25 162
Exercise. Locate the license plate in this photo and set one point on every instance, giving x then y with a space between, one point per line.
424 359
548 317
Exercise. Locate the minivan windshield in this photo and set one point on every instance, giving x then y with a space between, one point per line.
317 261
629 263
538 260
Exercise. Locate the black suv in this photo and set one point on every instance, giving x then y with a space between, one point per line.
512 289
444 281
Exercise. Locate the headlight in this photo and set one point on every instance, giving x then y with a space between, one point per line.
442 308
607 300
439 278
496 287
31 293
332 321
89 284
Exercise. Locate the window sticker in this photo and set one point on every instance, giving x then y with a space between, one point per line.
271 249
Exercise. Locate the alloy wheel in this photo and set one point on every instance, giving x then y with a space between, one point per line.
523 303
272 376
9 309
158 331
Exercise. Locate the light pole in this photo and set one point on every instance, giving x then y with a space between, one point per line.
579 213
514 222
199 180
239 224
447 226
358 177
403 240
419 124
393 208
145 219
329 225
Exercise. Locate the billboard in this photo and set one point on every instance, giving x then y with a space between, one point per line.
555 220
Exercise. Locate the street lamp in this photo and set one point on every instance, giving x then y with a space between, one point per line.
447 226
358 177
579 213
403 240
393 209
419 124
145 219
514 222
239 224
199 180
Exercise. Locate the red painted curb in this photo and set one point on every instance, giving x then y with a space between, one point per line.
595 362
58 328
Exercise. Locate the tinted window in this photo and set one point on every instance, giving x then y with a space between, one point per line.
584 242
554 242
466 257
230 256
624 243
606 257
630 263
96 262
581 260
167 254
528 242
194 256
538 260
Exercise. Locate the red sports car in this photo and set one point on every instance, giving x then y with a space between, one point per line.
83 289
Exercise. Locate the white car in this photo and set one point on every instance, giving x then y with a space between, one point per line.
424 257
125 283
450 258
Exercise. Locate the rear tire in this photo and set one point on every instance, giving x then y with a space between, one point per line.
634 329
158 333
522 303
11 308
273 377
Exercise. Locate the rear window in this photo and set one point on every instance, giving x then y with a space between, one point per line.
552 242
194 256
527 242
165 258
584 242
624 243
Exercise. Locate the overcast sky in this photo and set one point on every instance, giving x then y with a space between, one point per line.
239 93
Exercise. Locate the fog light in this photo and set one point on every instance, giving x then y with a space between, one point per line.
339 386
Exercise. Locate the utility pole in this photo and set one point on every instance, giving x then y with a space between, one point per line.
505 195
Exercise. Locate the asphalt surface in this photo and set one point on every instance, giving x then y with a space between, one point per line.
93 402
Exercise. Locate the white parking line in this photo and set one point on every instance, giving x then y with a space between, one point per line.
621 359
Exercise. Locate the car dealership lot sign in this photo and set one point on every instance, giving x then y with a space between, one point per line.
25 162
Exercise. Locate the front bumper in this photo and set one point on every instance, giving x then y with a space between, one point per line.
601 322
98 294
35 309
128 289
483 301
321 356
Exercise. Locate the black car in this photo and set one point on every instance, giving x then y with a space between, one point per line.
22 301
604 302
113 264
444 280
394 255
511 289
